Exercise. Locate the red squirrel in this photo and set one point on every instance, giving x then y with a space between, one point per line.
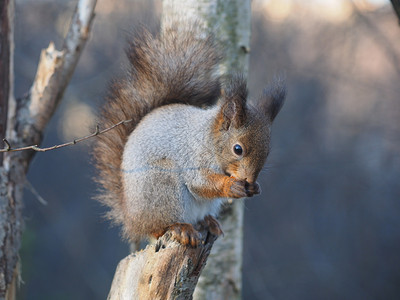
189 146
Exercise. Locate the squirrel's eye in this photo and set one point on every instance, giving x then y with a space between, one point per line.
238 150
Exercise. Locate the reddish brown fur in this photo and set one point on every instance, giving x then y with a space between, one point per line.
218 186
223 186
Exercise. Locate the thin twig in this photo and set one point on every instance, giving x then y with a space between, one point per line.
31 188
9 148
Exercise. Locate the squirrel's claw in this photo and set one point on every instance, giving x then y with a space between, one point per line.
212 225
238 189
253 189
184 234
242 188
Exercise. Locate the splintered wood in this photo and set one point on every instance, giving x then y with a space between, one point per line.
165 270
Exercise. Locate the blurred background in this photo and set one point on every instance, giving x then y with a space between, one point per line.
327 225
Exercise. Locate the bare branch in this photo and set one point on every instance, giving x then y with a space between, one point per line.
54 71
45 86
75 40
26 121
31 188
9 148
56 67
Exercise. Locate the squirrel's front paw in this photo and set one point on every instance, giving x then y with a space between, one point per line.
242 188
253 189
238 189
185 234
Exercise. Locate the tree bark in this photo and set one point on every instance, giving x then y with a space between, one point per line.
229 20
9 211
26 121
6 34
165 270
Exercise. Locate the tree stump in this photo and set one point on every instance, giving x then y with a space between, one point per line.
164 270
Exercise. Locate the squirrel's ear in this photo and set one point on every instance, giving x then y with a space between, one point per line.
272 98
233 107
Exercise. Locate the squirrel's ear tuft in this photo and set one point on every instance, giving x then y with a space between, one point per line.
234 102
272 98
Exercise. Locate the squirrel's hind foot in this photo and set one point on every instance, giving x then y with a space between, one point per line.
183 233
212 225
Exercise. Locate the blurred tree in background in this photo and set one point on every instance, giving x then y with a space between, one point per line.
327 225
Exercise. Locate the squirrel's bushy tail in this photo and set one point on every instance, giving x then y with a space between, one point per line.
175 66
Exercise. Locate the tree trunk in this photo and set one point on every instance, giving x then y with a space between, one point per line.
229 20
26 120
6 35
10 210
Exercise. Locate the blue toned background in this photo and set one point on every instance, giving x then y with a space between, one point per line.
327 225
